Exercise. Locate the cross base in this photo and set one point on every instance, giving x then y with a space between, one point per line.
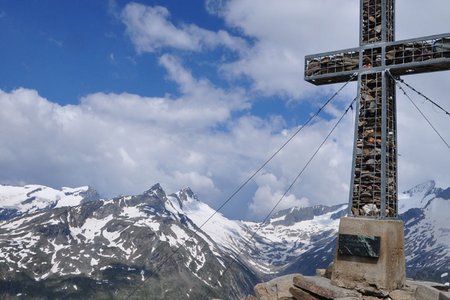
370 253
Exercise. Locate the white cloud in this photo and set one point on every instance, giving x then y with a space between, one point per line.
150 29
201 105
101 142
279 34
201 182
423 155
215 7
197 92
265 199
415 18
284 32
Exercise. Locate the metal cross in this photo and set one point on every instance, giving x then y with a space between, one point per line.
373 189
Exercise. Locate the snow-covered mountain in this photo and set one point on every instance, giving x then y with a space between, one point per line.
18 200
426 213
159 246
268 248
132 246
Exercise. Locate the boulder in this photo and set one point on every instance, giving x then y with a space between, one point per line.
275 289
402 294
300 294
423 290
322 287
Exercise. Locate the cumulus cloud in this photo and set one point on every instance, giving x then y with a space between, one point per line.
150 29
113 149
284 32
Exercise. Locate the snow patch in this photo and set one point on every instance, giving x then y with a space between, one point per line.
132 212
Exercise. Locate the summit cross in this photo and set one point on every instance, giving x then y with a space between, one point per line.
370 244
375 63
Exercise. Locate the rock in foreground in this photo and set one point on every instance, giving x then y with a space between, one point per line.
299 287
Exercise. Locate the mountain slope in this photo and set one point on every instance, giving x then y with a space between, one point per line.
275 244
427 231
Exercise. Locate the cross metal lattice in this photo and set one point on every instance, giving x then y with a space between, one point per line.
373 190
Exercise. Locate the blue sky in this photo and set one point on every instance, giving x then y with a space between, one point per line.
121 95
67 49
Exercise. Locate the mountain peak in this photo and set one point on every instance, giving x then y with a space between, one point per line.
423 188
186 194
155 190
418 196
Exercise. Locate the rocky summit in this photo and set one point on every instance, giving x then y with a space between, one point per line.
71 243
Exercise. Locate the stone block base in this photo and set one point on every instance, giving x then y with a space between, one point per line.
387 271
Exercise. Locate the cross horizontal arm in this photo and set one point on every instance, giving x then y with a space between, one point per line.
413 56
332 67
421 55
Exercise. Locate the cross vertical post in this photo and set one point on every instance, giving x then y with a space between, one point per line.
374 181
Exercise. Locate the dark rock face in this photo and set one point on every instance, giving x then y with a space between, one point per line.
444 194
6 214
53 231
90 195
29 200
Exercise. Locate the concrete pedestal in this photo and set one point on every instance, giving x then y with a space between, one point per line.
387 271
